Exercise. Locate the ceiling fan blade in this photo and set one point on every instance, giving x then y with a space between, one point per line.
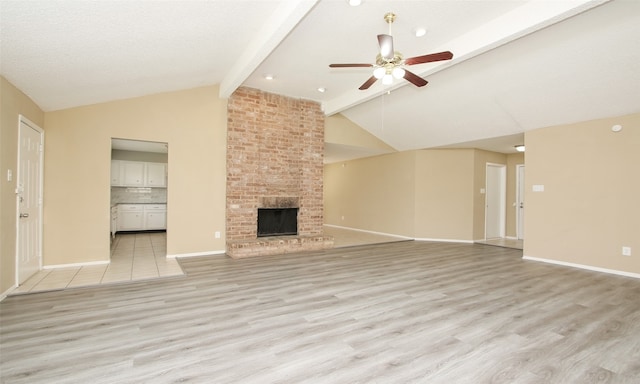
386 46
415 79
446 55
350 65
368 83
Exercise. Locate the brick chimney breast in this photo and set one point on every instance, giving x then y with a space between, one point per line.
275 151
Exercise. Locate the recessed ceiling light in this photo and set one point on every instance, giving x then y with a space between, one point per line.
355 3
268 76
520 148
420 31
322 89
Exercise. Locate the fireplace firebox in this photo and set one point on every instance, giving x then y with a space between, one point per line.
277 221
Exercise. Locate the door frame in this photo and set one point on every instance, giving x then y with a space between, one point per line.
519 199
503 198
40 225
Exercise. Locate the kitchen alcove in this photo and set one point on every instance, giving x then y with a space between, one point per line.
138 196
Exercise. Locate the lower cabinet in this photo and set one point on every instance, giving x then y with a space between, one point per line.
155 216
141 217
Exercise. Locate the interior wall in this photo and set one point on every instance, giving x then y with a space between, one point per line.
425 194
374 193
444 194
340 130
589 207
13 103
77 171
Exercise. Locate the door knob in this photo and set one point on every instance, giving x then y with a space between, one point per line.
24 215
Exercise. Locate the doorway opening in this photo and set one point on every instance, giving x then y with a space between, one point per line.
139 184
495 201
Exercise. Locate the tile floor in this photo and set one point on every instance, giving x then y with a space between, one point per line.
134 256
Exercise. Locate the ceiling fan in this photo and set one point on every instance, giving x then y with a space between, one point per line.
390 63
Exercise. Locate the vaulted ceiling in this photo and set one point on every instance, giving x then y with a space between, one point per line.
517 65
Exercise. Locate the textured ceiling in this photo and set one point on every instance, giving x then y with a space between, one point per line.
518 65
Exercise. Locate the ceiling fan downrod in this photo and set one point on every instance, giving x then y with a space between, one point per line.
390 17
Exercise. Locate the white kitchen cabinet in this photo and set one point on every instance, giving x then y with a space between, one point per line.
141 217
138 174
114 221
115 173
155 216
132 173
130 217
156 175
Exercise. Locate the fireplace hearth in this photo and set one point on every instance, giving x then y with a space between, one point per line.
277 221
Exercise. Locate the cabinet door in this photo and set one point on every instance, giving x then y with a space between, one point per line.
130 220
114 221
115 173
155 220
156 175
132 173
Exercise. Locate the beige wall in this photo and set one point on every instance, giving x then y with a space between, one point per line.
12 104
375 193
444 194
424 194
77 171
590 205
340 130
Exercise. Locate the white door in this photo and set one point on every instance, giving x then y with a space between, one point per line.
495 200
29 195
520 201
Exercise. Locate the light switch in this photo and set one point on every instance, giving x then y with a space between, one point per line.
538 188
9 175
482 191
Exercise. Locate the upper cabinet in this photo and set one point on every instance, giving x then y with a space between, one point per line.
138 174
132 173
156 175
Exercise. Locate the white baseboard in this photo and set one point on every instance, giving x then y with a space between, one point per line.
372 232
582 266
195 254
75 265
445 240
4 294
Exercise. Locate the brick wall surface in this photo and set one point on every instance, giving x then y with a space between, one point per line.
275 148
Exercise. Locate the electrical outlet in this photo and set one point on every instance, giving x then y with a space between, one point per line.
217 234
626 251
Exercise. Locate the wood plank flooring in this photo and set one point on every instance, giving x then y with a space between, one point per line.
403 312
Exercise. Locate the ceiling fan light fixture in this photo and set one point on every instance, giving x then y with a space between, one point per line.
398 72
387 79
379 72
355 3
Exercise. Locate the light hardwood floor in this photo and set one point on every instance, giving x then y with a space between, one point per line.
142 256
402 312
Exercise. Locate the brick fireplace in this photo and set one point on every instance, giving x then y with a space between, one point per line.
274 160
